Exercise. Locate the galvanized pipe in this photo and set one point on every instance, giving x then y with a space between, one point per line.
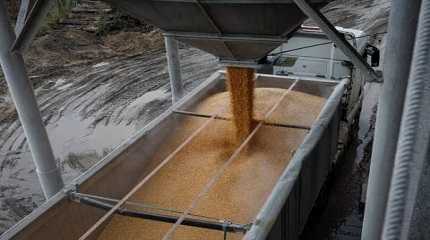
174 68
413 143
398 55
25 101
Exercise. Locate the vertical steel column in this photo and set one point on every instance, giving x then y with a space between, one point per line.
414 140
398 54
174 67
28 112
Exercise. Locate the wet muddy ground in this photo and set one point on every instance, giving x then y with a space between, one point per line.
93 102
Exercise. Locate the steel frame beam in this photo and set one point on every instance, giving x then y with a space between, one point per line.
24 10
228 37
26 105
218 224
32 24
338 39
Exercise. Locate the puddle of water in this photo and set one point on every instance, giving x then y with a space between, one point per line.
72 134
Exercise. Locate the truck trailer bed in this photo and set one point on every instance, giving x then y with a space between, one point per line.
270 186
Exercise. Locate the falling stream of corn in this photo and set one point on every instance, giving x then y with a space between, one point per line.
241 87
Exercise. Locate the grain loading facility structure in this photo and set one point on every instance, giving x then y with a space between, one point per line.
98 201
294 186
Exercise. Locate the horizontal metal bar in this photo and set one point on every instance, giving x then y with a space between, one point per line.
243 64
287 125
227 37
322 59
74 192
321 81
228 119
220 225
198 115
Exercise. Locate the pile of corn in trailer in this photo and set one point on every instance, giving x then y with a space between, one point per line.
184 166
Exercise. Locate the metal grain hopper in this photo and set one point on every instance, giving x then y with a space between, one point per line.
235 30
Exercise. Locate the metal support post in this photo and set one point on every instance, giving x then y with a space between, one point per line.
398 55
413 143
25 101
174 67
331 63
32 24
337 38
